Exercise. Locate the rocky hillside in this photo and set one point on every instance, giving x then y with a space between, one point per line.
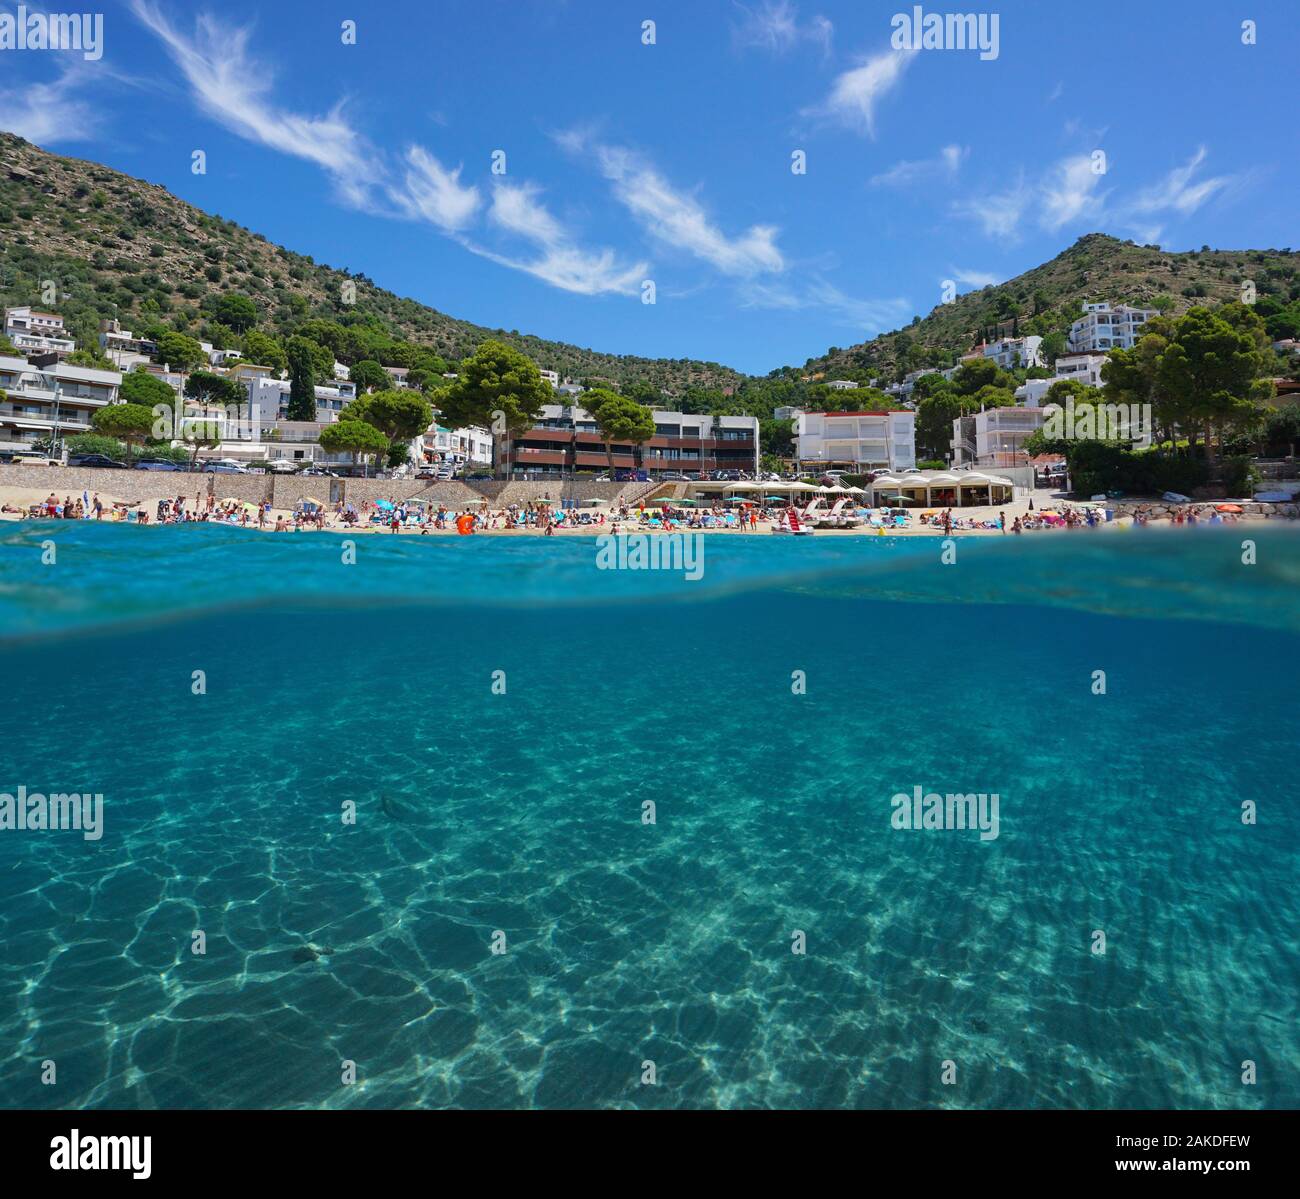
112 244
117 246
1046 299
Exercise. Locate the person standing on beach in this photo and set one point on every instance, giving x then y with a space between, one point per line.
98 506
1002 522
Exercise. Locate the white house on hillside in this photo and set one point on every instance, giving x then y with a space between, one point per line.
1011 352
34 332
1105 328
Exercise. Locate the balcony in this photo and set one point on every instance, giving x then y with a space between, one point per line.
525 457
587 460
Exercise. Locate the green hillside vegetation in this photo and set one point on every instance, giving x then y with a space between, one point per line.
1044 301
119 247
116 247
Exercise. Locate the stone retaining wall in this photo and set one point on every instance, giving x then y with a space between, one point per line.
284 491
501 493
1158 508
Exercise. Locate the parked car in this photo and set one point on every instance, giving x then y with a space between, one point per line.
30 458
225 466
317 472
282 466
158 464
96 460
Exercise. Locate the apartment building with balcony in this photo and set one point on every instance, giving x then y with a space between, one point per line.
1083 368
566 438
35 332
270 396
1103 327
469 447
1012 352
55 401
856 440
996 436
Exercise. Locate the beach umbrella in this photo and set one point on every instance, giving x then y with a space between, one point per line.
1228 508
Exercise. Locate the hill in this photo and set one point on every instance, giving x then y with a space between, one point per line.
115 245
118 246
1047 298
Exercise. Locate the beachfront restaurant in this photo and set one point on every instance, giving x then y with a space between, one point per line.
940 489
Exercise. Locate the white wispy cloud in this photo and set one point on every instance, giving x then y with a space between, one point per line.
234 89
1177 191
867 316
675 217
1071 192
975 278
231 88
434 193
517 209
945 164
855 93
48 113
998 213
774 25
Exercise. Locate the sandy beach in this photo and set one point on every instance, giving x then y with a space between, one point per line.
1044 500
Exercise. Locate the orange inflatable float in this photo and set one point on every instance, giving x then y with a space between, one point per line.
464 523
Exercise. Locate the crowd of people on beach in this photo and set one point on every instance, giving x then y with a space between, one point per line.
546 517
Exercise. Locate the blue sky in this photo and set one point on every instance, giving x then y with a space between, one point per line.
672 162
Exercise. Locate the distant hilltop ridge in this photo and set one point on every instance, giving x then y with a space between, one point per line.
122 248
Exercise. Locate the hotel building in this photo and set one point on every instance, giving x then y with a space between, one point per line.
1105 328
995 437
566 438
856 440
54 401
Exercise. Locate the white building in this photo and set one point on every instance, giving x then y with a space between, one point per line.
467 447
843 385
1103 327
995 437
910 380
122 348
55 401
34 332
271 396
856 439
551 377
1012 352
1084 368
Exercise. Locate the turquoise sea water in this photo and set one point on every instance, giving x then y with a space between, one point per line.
521 813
